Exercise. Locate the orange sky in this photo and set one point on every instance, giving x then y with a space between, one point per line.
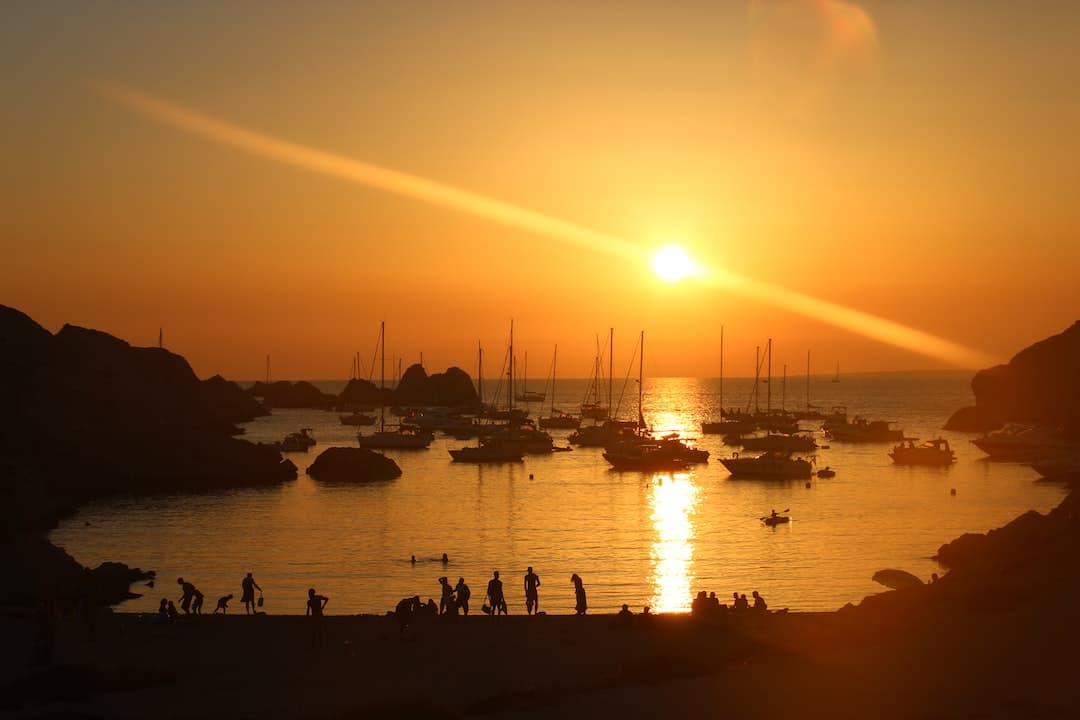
915 161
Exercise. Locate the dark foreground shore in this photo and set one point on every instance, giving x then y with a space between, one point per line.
900 656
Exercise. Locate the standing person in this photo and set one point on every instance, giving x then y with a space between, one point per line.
495 595
315 605
532 596
461 595
447 599
580 605
249 586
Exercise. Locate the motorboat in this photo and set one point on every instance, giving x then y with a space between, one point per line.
771 464
933 452
642 453
826 472
1026 443
863 430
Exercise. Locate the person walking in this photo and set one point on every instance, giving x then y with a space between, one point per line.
580 604
191 599
496 599
248 587
532 596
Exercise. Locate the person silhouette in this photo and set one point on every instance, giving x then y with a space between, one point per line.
532 596
461 595
759 602
445 559
191 599
735 604
163 610
496 600
447 598
173 612
742 603
315 606
248 586
580 604
223 604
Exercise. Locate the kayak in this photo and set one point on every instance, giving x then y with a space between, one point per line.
776 520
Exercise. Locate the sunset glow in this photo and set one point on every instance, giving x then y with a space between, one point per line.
825 187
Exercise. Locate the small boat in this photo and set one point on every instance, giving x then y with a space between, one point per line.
826 472
774 520
933 452
644 456
297 441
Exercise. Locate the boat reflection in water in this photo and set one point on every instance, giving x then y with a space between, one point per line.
673 499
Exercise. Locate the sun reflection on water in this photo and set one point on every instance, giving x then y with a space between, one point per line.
673 501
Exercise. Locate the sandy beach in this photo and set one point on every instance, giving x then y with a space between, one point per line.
899 656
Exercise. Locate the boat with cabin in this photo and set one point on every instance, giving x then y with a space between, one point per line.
774 464
932 452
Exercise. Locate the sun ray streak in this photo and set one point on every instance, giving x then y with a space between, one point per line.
453 198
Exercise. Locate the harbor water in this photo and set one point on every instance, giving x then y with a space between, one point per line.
637 538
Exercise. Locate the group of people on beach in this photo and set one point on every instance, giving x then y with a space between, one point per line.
191 600
705 605
454 600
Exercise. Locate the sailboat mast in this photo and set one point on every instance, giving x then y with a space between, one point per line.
382 376
480 373
768 390
807 381
611 373
721 373
757 377
510 372
783 390
641 381
554 360
267 369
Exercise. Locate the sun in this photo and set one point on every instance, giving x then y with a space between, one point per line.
672 264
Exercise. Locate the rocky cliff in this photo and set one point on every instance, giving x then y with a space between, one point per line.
1040 385
85 414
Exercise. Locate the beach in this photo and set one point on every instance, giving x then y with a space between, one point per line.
901 656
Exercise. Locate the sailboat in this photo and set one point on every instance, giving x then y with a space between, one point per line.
396 438
641 451
506 444
525 395
724 426
558 419
611 430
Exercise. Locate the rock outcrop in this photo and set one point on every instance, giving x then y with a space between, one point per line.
84 415
1040 385
285 394
349 464
454 388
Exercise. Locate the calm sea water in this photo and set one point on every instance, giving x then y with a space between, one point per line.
642 539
